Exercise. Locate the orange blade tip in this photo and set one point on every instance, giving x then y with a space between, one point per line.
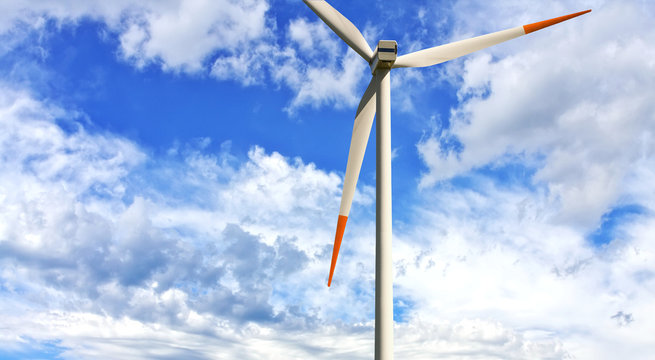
341 226
542 24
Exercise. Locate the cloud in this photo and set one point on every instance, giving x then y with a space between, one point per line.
91 240
314 38
179 36
313 63
228 40
97 234
551 135
182 35
335 86
492 253
75 226
105 245
571 98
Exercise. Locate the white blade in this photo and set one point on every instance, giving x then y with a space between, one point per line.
439 54
361 132
342 27
443 53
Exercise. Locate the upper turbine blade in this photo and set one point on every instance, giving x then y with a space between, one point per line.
546 23
439 54
342 27
361 131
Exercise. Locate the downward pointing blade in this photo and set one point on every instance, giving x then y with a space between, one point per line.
342 27
443 53
361 132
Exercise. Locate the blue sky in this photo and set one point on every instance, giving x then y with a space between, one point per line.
170 177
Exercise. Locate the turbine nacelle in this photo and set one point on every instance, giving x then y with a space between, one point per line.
384 56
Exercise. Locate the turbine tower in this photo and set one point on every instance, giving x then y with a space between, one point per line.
376 100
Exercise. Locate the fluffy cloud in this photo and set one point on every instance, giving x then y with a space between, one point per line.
82 233
96 234
231 258
230 40
313 63
570 109
494 254
177 35
182 35
571 100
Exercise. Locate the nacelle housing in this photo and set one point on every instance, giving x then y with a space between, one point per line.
385 55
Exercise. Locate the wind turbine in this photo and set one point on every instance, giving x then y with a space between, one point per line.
376 100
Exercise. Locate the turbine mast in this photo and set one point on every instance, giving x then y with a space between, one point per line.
383 59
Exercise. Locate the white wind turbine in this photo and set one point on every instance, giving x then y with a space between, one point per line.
376 99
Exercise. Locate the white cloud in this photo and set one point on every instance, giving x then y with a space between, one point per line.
331 85
493 254
574 94
231 40
314 65
314 38
177 35
232 258
86 244
183 35
331 76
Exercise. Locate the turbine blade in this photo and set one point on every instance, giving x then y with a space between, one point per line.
342 27
361 132
443 53
546 23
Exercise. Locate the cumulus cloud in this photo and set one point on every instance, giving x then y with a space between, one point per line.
77 228
492 253
182 35
176 35
313 63
229 40
571 100
313 38
570 108
87 245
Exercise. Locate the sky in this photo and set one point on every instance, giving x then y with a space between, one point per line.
171 171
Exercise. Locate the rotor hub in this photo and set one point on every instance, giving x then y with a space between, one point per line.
385 55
